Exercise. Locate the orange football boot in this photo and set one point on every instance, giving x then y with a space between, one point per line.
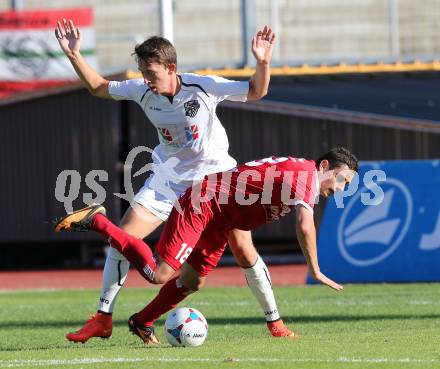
79 220
279 329
99 325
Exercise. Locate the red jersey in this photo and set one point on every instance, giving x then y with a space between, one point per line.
262 191
255 193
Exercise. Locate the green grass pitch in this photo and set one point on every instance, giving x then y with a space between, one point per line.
365 326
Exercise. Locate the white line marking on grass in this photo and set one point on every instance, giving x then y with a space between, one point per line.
36 290
20 363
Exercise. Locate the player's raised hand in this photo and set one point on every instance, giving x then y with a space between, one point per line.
262 45
320 277
68 36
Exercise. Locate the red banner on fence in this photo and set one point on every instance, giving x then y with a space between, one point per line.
30 56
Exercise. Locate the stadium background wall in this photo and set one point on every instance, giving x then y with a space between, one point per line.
48 132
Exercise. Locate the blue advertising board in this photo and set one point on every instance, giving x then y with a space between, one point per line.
395 240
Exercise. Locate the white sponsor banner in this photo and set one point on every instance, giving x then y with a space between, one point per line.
36 55
30 56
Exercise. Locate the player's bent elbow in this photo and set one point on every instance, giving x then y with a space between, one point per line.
254 95
94 92
101 90
257 89
263 93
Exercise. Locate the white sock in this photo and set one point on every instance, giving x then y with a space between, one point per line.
258 279
113 278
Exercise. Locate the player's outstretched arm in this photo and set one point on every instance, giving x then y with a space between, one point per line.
306 233
262 46
69 38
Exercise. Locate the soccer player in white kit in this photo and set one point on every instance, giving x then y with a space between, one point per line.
192 144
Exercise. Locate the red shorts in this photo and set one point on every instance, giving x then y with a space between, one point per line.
198 239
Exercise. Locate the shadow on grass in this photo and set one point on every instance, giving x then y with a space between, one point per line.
75 324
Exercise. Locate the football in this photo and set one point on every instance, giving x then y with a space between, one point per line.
186 327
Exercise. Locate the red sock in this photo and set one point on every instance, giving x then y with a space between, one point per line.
168 297
137 252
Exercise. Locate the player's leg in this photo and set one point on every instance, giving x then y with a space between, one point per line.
258 279
192 277
181 232
136 251
200 262
139 222
147 211
171 293
133 249
169 296
173 249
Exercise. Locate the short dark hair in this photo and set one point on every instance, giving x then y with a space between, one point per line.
156 49
339 156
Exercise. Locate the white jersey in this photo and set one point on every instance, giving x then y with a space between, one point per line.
192 141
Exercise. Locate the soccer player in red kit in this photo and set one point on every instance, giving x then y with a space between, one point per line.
197 231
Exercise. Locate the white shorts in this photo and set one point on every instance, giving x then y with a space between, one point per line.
158 197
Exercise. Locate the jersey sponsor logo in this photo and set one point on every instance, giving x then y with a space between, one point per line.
368 236
191 108
192 132
154 108
180 137
165 134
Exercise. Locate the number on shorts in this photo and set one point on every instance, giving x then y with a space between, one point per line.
184 252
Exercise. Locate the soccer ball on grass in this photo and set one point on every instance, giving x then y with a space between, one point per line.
186 327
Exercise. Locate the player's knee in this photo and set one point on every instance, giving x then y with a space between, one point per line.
162 273
159 279
156 280
242 248
246 259
193 285
161 276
